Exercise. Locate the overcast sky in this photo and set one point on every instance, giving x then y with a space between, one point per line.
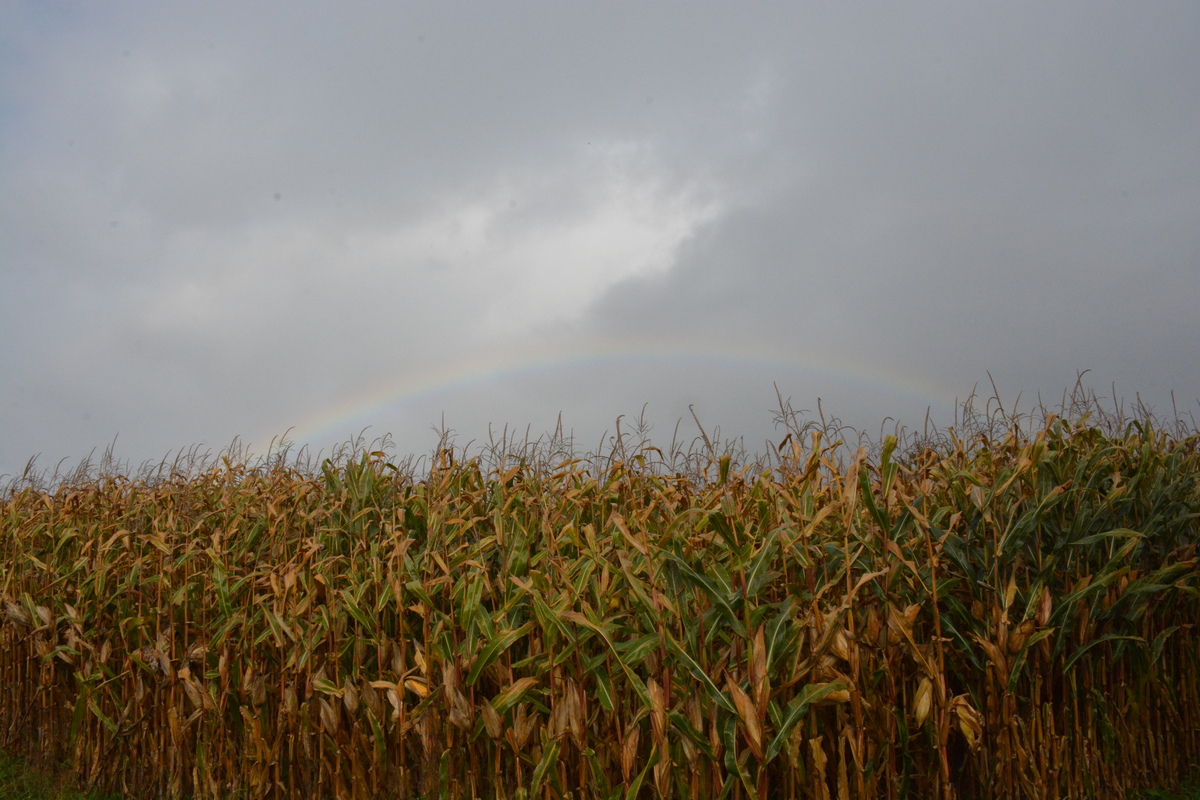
232 219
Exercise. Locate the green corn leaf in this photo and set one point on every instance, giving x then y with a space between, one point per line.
638 685
795 711
683 724
549 756
104 718
635 786
718 598
733 764
493 649
513 694
697 672
1111 637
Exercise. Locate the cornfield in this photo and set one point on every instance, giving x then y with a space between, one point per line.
998 615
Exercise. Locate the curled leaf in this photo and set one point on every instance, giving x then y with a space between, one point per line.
970 721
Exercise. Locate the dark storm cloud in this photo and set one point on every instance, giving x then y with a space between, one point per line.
975 191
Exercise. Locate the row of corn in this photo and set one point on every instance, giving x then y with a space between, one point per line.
1010 617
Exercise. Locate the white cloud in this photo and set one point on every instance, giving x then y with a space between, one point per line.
534 248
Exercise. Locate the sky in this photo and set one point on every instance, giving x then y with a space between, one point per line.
311 220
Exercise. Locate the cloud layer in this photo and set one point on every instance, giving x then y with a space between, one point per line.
221 220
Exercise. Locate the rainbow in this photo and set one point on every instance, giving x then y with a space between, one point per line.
365 410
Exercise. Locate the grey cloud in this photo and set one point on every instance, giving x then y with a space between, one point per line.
1010 201
225 218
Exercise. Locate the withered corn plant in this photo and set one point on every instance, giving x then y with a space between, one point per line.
1004 615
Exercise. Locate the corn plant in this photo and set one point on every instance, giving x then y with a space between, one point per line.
1005 613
